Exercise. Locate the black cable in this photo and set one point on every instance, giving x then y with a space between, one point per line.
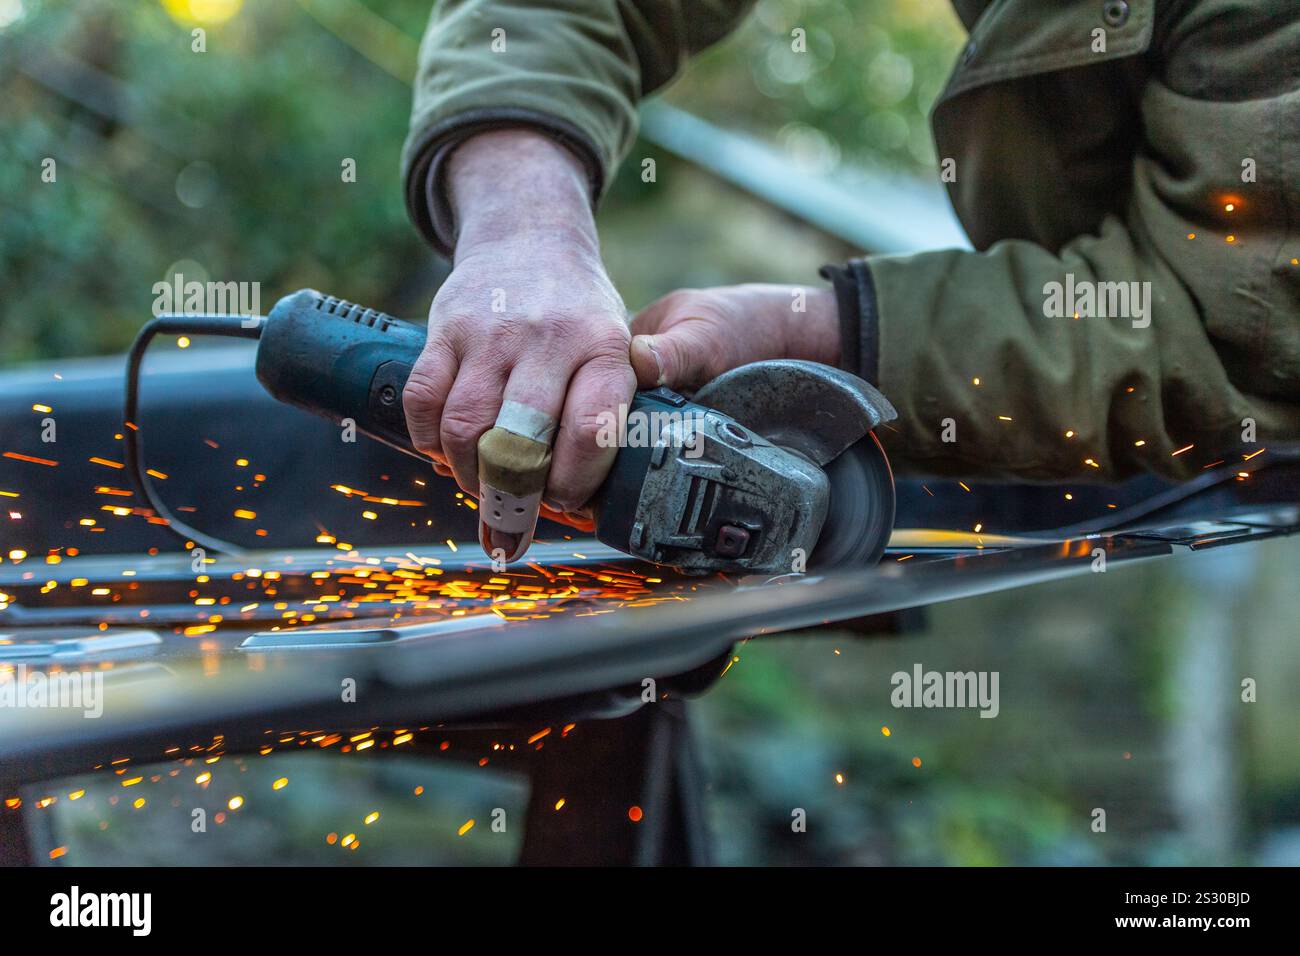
234 326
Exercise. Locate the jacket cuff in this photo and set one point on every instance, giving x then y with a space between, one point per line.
427 202
855 297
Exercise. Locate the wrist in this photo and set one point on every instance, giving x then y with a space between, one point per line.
518 185
820 338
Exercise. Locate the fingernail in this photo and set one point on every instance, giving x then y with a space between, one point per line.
649 342
502 545
662 379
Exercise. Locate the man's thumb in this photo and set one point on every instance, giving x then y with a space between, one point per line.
674 358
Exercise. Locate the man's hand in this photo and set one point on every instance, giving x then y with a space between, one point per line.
692 336
527 315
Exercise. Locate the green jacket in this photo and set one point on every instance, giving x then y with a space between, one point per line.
1077 174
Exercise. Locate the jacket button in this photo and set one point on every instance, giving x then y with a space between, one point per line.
1115 12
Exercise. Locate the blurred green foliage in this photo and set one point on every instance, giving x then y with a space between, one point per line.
225 164
861 94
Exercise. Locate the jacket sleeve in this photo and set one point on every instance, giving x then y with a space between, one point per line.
1191 338
572 68
992 379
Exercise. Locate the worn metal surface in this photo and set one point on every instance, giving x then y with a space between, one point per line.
191 693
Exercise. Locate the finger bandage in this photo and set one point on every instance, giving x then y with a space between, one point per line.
527 422
514 460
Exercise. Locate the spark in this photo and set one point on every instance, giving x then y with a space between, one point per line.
371 817
465 827
35 461
245 514
235 802
1179 451
886 731
916 761
45 409
559 804
280 784
634 813
839 779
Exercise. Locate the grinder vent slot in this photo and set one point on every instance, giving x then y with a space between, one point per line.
353 312
699 505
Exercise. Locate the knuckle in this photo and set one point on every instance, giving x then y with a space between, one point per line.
420 404
461 430
611 343
585 431
419 394
449 331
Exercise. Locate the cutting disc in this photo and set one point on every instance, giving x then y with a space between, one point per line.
825 415
861 513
